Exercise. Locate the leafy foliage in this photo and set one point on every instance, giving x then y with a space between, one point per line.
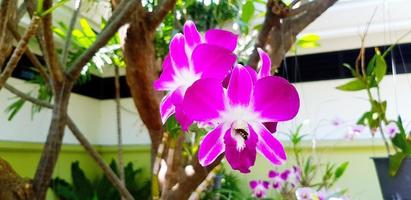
311 169
226 186
368 78
83 189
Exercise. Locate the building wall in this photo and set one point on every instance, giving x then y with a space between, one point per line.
320 102
360 178
24 157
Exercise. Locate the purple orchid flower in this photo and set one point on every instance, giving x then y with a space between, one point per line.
337 121
238 113
305 193
276 179
354 131
192 57
259 188
391 129
294 177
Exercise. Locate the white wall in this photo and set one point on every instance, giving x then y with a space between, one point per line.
84 110
321 102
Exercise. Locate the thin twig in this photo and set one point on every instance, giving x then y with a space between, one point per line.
203 185
160 13
18 52
119 131
120 186
70 34
33 58
102 39
26 97
155 193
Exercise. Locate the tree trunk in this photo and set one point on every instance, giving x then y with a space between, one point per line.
54 141
139 57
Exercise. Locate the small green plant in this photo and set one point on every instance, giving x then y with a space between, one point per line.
368 78
226 186
83 188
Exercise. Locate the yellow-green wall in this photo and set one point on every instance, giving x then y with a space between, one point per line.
360 178
24 158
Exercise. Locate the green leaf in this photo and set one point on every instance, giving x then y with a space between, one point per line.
371 65
353 72
395 162
14 108
354 85
82 185
248 11
63 189
87 30
310 37
340 170
380 68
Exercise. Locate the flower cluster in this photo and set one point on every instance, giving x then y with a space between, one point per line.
287 178
307 193
204 84
259 188
390 130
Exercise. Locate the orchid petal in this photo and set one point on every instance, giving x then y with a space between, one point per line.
222 38
272 174
266 184
204 99
212 61
183 119
253 184
177 52
244 159
166 107
211 146
240 86
264 65
191 34
252 73
271 126
166 78
275 99
268 145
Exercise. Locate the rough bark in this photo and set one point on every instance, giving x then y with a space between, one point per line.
19 51
54 140
139 57
12 186
7 14
282 33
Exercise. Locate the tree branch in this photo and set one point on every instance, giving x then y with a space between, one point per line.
186 183
33 58
18 52
117 183
26 97
124 11
49 51
4 16
269 21
161 11
312 10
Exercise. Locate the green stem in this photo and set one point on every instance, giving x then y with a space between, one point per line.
371 99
